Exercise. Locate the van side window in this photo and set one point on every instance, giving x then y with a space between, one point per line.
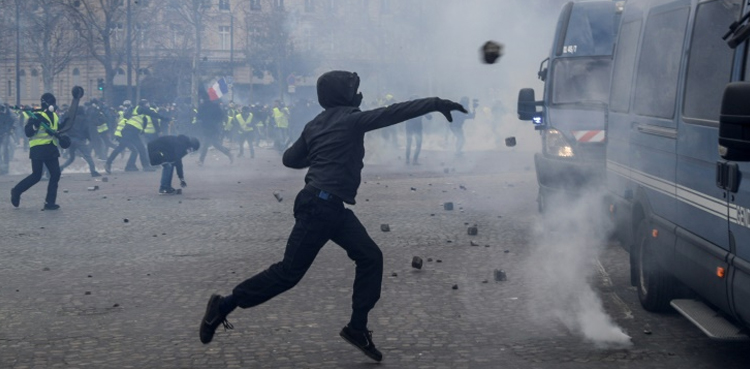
710 60
659 64
622 76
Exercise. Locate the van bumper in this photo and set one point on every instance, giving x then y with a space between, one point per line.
568 175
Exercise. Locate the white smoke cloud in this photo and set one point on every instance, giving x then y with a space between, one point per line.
566 244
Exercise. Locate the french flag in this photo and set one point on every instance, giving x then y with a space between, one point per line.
219 89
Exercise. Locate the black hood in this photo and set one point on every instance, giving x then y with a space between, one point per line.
338 88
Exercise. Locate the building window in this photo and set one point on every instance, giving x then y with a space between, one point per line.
309 6
224 37
140 36
255 5
35 83
253 35
278 4
175 32
76 77
118 32
224 5
120 78
22 84
9 89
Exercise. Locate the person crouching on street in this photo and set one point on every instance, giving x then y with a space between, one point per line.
169 151
41 129
332 148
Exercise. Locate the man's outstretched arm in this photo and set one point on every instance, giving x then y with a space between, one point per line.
295 157
400 112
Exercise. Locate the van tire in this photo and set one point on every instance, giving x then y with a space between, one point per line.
655 286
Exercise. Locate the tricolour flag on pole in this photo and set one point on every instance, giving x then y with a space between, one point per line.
218 89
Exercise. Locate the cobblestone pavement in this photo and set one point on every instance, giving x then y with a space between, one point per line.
119 277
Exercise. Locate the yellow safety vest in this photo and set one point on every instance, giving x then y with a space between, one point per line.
245 124
136 120
102 128
120 123
230 116
281 118
150 128
41 137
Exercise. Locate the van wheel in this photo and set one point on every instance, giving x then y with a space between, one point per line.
655 286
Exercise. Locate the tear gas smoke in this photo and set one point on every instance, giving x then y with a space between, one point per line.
567 243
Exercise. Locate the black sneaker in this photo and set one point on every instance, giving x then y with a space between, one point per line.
212 319
51 206
108 168
15 198
167 191
96 174
363 341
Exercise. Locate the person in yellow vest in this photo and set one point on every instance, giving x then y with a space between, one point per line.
231 131
247 131
280 115
128 133
259 116
42 128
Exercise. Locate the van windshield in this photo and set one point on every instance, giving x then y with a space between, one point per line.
581 80
592 29
581 70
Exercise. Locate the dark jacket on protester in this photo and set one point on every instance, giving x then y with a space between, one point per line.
169 149
211 118
80 129
332 144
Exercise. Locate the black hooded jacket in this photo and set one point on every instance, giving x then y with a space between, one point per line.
332 144
169 149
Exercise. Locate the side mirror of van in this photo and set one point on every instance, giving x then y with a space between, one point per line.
734 123
527 104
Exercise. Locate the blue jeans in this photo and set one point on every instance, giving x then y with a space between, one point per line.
166 176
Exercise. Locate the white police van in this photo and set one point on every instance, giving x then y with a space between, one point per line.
678 158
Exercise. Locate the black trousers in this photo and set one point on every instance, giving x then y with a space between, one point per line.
131 140
82 148
417 147
37 168
214 141
317 222
249 137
